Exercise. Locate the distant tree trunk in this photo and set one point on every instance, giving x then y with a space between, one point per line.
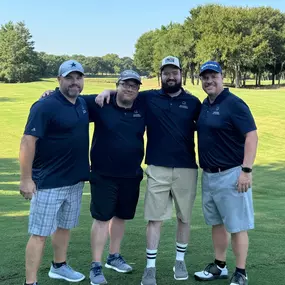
185 76
237 74
259 78
192 73
256 79
273 73
158 79
280 73
233 78
244 80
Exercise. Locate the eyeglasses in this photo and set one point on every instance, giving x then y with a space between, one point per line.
126 85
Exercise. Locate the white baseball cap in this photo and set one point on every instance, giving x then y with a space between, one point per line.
170 60
70 66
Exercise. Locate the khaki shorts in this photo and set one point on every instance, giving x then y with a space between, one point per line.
165 185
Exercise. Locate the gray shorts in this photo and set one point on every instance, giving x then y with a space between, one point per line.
55 208
223 204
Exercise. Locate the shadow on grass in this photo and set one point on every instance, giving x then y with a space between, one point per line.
7 99
269 199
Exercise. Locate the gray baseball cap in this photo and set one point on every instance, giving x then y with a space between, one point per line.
129 74
70 66
170 60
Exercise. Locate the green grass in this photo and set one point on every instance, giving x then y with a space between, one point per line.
266 259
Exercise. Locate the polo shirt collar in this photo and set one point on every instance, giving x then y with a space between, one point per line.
114 102
161 92
219 98
62 98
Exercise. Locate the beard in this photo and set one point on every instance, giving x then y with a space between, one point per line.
171 88
72 93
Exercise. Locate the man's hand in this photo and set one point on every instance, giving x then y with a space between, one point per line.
244 182
27 188
105 95
46 93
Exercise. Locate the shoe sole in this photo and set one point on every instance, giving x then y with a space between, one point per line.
116 269
179 278
153 284
97 283
197 278
57 276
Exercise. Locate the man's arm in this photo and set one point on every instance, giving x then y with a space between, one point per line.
250 148
26 157
104 96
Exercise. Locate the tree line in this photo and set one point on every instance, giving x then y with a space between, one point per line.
246 41
19 62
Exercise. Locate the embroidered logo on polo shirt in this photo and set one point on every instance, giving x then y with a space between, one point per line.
217 111
33 129
136 114
183 105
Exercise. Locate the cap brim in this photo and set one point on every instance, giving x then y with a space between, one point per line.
128 78
67 72
211 69
170 64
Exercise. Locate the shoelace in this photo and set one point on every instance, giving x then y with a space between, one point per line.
208 268
120 260
150 273
181 265
97 270
238 277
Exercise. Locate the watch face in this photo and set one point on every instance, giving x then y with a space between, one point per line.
246 169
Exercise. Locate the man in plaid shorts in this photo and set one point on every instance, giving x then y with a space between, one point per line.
54 165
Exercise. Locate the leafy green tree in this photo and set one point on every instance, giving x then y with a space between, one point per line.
18 60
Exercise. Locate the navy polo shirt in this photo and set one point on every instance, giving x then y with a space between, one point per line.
118 143
221 131
171 123
61 156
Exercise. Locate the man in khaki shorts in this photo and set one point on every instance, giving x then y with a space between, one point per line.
172 169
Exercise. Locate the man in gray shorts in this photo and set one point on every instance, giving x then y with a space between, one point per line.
227 142
54 165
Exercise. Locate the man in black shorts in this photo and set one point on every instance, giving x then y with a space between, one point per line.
116 156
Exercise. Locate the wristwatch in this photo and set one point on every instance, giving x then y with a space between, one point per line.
246 169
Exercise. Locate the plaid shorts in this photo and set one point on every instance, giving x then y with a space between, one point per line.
55 208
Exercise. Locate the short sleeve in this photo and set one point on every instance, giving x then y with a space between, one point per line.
197 110
241 117
38 120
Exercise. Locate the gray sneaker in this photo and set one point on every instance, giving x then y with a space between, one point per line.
118 263
65 272
149 276
96 275
238 279
180 270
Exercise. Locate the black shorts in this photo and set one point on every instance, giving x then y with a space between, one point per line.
113 196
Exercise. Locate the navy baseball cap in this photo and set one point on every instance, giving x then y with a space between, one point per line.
130 74
70 66
211 65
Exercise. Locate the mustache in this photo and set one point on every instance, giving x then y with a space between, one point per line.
74 85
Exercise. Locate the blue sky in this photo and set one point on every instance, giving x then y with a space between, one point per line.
98 27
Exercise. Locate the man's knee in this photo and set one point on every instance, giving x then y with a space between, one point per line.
38 239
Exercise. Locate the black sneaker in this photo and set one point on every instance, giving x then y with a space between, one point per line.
239 279
212 272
